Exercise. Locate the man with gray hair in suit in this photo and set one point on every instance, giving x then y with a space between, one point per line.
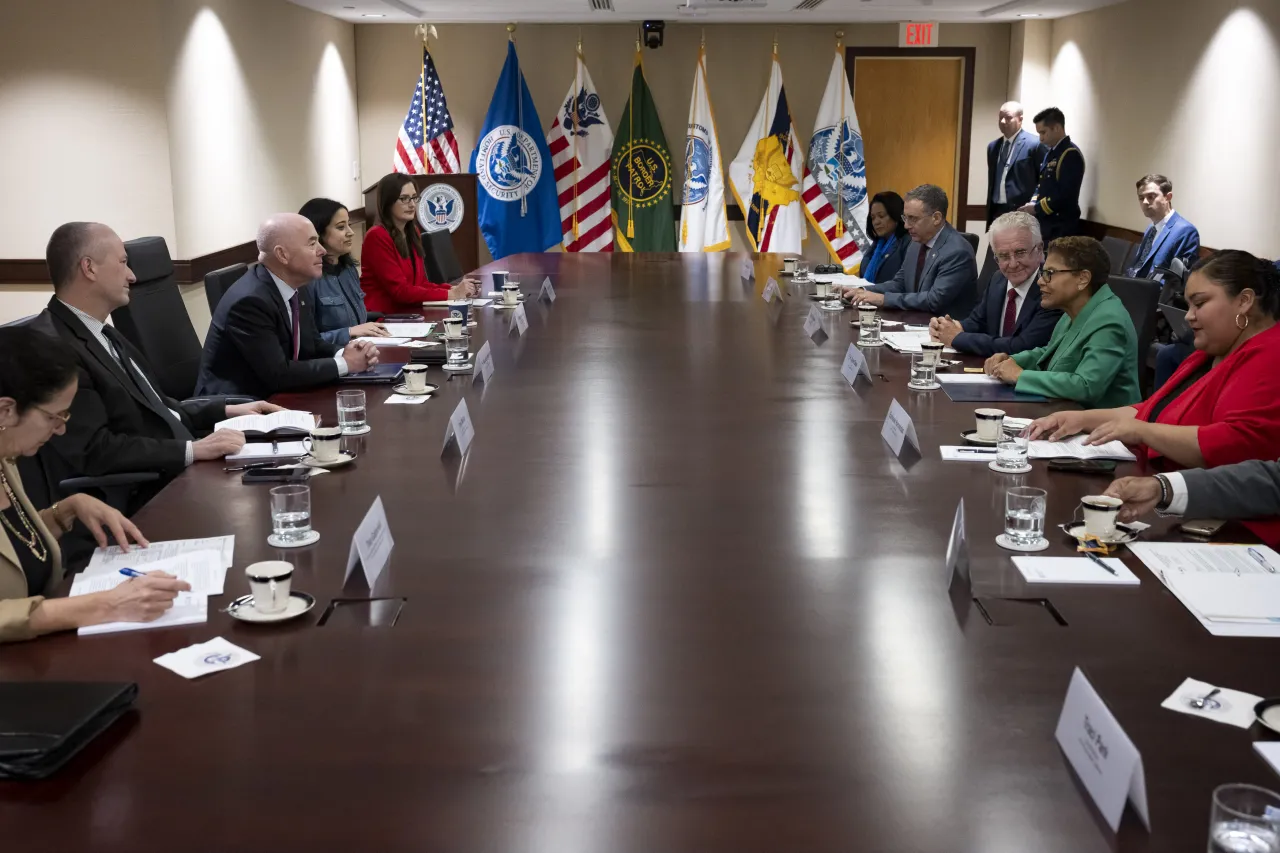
939 274
1245 490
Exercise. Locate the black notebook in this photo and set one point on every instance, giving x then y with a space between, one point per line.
376 375
44 723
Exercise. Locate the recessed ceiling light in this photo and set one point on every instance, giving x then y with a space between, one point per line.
1028 14
367 15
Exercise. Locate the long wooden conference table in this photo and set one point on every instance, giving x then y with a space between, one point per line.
680 596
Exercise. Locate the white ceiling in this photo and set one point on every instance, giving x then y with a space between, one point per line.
774 11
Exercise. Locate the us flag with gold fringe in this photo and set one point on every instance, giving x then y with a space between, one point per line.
581 144
426 144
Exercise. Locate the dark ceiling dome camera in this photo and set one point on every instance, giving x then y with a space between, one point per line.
652 31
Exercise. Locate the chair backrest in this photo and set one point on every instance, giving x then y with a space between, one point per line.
22 321
1118 250
218 282
442 261
973 239
988 272
156 319
1140 296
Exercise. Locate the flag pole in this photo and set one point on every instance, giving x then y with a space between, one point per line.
424 31
577 85
840 160
631 135
511 37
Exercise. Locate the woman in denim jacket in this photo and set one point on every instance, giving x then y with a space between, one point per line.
336 295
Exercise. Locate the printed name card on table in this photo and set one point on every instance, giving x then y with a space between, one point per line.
748 270
460 431
371 545
547 292
854 363
958 550
519 320
771 291
898 429
813 325
484 365
1101 753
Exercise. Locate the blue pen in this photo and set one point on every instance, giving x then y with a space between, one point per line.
1253 552
133 573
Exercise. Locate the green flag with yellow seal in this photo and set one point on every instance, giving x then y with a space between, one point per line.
644 219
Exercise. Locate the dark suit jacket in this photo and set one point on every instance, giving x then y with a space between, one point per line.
981 335
949 284
1058 196
1179 239
1024 171
249 347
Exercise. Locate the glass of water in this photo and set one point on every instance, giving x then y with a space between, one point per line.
351 411
1244 819
457 351
291 512
1011 452
1024 514
922 370
802 270
868 329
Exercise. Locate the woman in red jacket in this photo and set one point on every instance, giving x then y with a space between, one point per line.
392 272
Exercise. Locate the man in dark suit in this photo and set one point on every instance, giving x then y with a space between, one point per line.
1244 490
939 274
1013 164
263 337
1168 236
1009 317
120 421
1057 200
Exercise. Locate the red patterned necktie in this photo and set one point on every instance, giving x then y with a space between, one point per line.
1010 313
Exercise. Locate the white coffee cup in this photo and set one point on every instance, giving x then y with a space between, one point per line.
415 377
1100 514
867 314
453 328
988 423
510 294
269 582
822 289
326 443
789 265
932 352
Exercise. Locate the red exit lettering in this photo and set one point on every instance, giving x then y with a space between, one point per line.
918 35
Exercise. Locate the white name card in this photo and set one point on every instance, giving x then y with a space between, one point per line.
898 429
519 320
854 363
484 365
748 269
1101 753
371 545
771 291
813 322
547 292
460 429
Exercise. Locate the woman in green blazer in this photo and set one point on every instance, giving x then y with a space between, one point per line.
1092 357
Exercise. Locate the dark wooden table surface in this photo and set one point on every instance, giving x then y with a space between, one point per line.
680 597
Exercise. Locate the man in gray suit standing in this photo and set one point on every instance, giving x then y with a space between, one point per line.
1230 492
939 274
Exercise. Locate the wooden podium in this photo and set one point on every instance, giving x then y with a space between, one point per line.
466 239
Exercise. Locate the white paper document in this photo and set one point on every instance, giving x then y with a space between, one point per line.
1074 570
842 279
1226 706
410 330
112 559
908 341
267 423
204 658
261 451
1233 590
385 342
955 453
188 609
1075 448
422 344
204 570
478 302
968 379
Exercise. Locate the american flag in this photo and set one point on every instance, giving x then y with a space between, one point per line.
428 146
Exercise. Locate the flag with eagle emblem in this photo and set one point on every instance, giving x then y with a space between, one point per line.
643 218
581 142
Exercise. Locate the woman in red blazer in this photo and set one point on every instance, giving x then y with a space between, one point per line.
392 272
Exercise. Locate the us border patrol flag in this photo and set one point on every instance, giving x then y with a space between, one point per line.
835 179
516 192
766 175
643 218
704 225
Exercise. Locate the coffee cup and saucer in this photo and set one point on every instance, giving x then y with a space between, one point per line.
271 598
415 382
988 424
1100 521
326 449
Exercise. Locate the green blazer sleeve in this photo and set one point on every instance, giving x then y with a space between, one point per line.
1092 360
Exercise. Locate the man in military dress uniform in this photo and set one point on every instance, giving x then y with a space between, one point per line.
1057 200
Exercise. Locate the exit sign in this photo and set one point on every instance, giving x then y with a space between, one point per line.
918 34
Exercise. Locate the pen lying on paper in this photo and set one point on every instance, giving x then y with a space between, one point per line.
973 450
1098 560
133 573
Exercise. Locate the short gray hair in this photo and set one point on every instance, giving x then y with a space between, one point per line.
933 197
69 243
1018 219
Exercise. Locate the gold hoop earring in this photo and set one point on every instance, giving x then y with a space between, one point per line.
1246 322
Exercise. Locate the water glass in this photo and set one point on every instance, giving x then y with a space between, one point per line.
351 417
923 369
1244 819
869 330
291 512
1024 509
457 351
1011 452
802 270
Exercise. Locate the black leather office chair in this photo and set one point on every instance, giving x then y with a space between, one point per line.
1140 296
218 282
22 321
988 272
442 261
973 239
1118 250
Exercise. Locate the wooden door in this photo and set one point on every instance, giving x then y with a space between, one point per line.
910 112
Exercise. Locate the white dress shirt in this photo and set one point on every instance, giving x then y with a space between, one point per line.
1001 198
1178 502
286 293
94 325
1163 222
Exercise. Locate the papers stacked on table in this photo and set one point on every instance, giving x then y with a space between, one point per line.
1075 448
908 341
385 342
409 330
1073 570
285 423
1234 590
204 570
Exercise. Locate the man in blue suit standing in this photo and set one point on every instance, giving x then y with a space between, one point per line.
1013 164
1009 318
939 274
1168 236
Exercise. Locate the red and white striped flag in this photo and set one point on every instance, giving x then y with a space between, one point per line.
581 144
426 144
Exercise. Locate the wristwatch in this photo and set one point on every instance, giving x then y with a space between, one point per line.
1166 493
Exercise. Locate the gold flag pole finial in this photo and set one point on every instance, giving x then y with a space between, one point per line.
775 43
511 31
704 37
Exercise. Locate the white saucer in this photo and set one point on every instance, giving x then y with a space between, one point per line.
505 305
404 389
364 430
310 539
971 436
497 294
1123 535
831 306
936 386
1009 545
242 608
994 467
343 459
876 344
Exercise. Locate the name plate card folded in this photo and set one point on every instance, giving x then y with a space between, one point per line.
519 320
854 363
899 430
771 291
1101 753
484 365
748 270
547 292
813 322
958 550
460 430
371 545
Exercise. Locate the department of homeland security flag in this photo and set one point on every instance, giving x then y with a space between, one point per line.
766 175
704 225
835 175
581 142
426 144
642 214
516 195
